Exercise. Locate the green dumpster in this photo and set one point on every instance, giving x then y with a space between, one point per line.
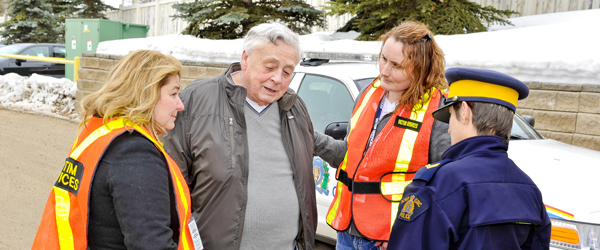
84 35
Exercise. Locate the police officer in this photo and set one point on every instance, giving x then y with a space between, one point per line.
476 197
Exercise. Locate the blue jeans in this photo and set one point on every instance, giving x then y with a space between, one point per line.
345 241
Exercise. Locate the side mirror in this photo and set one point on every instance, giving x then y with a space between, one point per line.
19 61
529 119
337 130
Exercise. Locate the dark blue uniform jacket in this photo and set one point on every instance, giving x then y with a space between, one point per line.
475 198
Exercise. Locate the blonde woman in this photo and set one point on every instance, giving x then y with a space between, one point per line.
118 188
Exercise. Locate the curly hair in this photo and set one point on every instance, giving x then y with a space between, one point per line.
132 90
423 58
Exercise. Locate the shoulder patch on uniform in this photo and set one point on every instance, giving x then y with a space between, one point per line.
427 172
70 176
412 206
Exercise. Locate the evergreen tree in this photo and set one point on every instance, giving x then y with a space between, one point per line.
61 10
230 19
89 9
2 6
31 21
372 18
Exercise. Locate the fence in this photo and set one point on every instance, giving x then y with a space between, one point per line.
158 14
536 7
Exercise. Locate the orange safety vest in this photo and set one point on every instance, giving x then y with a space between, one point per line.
368 185
65 219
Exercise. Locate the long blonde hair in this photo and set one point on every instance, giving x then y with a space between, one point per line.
132 90
423 57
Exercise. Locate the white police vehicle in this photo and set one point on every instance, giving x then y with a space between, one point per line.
567 175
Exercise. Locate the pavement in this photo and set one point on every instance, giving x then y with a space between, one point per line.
33 149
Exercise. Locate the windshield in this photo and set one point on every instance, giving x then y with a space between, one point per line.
521 130
12 49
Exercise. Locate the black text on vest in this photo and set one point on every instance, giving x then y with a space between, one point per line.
407 123
70 176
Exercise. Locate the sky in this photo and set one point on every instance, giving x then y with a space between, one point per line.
555 48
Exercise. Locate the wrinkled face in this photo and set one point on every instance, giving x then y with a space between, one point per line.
268 71
165 110
394 78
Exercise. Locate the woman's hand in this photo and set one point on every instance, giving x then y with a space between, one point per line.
381 245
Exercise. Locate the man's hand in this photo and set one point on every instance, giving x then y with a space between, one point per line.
381 245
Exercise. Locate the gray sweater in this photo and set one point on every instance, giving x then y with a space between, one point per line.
272 213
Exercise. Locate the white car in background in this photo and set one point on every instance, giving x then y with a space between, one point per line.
567 175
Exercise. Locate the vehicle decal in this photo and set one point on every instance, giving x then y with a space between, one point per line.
557 213
321 174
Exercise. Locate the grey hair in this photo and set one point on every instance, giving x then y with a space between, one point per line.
270 32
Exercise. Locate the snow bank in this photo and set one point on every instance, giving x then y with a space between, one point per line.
38 94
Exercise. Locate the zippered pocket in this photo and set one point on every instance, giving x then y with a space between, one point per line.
231 140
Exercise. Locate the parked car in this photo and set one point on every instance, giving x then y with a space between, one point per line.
566 174
28 67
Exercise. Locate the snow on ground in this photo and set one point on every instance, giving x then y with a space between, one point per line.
555 48
38 94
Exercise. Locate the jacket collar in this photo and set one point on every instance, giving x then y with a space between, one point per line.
285 102
481 144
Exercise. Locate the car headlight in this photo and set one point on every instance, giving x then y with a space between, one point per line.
568 234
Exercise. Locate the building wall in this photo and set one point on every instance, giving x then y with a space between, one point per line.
568 113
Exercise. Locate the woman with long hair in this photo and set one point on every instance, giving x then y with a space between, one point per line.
391 135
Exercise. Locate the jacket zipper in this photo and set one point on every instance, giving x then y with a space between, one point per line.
232 142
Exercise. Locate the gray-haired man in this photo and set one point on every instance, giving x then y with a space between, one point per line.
245 145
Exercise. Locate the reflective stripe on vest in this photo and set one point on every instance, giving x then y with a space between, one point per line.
69 219
353 120
386 168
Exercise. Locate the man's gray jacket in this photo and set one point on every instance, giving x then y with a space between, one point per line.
209 143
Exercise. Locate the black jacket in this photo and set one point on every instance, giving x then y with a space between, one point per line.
131 199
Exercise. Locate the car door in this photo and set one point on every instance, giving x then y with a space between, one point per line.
57 69
28 67
327 100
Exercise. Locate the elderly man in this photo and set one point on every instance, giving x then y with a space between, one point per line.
245 143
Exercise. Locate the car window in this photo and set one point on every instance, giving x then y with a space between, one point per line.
59 51
41 51
12 49
327 100
522 131
362 83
